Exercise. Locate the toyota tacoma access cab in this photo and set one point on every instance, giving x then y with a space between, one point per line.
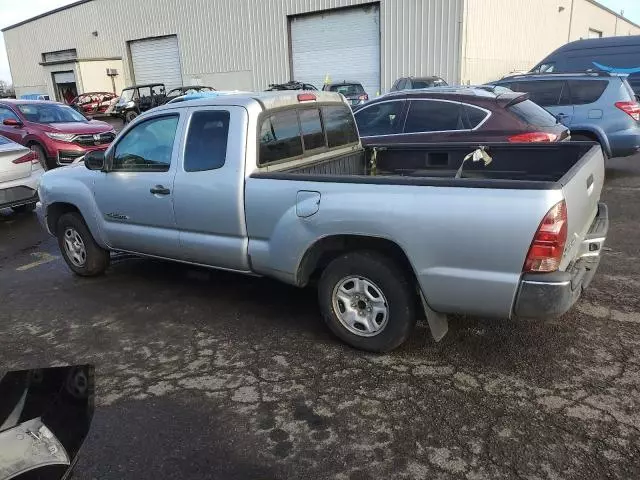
277 184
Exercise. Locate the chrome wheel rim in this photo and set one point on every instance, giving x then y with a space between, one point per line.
74 247
360 306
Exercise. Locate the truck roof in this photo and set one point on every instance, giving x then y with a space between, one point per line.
266 100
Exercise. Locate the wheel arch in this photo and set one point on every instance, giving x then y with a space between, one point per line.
324 250
56 210
595 133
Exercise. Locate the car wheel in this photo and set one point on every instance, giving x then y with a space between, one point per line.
130 117
367 301
30 207
81 252
42 156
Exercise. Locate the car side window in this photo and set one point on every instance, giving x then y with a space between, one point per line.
280 137
586 91
433 116
545 93
380 119
475 116
206 147
6 113
147 147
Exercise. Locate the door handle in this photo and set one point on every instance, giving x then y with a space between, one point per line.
160 190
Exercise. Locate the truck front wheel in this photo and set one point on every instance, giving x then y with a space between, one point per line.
367 301
81 252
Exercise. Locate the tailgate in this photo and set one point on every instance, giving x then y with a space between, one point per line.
10 171
582 186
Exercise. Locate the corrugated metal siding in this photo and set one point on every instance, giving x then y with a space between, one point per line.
417 36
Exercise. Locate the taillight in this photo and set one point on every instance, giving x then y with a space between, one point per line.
29 157
306 97
630 108
548 243
363 97
532 137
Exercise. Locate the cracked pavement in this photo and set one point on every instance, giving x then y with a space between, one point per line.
203 374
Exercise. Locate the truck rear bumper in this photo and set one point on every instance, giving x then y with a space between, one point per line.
552 294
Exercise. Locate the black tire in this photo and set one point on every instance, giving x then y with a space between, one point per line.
96 259
46 163
130 117
29 207
394 284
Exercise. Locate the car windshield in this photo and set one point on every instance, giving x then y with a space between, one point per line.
127 95
50 113
348 89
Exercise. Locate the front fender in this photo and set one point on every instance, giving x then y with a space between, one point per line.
60 187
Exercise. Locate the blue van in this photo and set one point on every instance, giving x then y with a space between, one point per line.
611 54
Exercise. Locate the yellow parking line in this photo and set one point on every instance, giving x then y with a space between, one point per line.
42 258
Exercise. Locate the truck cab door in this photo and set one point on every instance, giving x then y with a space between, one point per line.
209 188
135 196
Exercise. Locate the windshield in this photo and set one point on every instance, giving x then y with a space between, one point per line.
126 95
50 113
348 89
428 83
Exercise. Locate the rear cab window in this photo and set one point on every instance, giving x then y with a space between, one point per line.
533 114
295 132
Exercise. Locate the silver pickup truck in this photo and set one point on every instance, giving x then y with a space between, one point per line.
278 185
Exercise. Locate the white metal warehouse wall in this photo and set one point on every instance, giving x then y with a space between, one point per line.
234 43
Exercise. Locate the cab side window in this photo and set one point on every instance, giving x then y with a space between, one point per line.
206 147
147 147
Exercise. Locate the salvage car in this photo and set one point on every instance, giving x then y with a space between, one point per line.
414 83
277 184
94 103
457 114
56 133
20 173
137 99
352 91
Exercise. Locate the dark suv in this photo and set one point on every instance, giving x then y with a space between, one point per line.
460 114
414 83
352 91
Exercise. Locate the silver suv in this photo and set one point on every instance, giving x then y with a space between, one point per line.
596 106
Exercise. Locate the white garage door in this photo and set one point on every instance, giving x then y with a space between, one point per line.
157 60
341 45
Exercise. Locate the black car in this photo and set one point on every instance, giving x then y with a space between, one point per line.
180 91
139 98
352 91
414 83
290 86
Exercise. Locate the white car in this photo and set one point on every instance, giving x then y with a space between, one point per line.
20 173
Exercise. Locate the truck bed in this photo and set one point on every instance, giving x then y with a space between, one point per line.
534 166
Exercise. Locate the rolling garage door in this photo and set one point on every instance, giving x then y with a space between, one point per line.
343 45
157 60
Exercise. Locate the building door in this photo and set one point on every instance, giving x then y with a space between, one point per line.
65 86
338 45
157 60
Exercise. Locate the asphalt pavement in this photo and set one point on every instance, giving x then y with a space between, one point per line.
204 374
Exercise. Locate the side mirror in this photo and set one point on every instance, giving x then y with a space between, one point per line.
12 122
94 160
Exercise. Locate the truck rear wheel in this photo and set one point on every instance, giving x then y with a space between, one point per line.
81 252
367 301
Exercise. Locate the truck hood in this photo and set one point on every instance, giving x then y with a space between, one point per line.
94 126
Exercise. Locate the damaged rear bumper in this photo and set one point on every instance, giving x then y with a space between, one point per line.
552 294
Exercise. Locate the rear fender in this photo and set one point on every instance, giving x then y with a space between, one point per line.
595 131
